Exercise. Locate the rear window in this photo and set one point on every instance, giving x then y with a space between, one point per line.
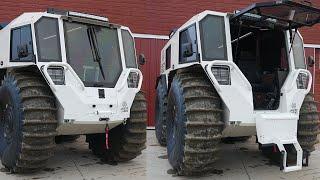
48 41
168 57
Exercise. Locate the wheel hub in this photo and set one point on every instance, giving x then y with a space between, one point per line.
7 120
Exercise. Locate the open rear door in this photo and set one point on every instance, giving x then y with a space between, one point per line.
284 14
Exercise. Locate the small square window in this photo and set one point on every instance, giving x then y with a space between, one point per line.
188 49
168 57
21 36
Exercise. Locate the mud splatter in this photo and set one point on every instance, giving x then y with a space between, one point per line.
154 145
172 172
4 170
244 149
217 171
49 169
46 177
103 162
87 164
256 165
163 157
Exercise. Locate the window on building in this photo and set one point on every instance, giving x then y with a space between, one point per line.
188 45
168 57
48 41
21 37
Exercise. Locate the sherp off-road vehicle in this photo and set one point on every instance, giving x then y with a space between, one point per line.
68 73
234 75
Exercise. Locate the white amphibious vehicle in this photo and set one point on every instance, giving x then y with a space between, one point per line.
232 75
68 73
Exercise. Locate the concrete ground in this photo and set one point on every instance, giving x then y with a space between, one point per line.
241 161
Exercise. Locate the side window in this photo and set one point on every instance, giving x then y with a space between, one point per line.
168 57
21 39
128 47
298 52
188 45
48 41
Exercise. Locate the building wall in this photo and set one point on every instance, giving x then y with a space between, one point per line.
315 70
151 49
157 17
142 16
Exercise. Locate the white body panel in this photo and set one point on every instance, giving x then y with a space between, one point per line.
80 110
237 97
271 126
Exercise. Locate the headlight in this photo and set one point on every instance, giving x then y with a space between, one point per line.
302 81
57 75
133 80
222 74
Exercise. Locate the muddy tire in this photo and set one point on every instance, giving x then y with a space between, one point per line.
194 124
308 124
160 115
28 122
126 141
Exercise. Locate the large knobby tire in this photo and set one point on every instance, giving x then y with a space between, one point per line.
160 115
28 125
308 124
126 141
194 124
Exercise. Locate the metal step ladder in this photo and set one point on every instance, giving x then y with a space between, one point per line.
280 129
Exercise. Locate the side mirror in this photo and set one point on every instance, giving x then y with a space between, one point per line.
311 61
142 59
23 51
187 49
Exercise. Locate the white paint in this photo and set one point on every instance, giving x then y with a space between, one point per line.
312 45
80 110
272 126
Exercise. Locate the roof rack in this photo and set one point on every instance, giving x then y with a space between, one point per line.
77 14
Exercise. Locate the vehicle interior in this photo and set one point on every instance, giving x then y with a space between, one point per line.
260 48
261 55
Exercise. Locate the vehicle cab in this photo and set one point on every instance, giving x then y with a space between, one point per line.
89 63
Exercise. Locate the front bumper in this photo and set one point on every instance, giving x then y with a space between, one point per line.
81 108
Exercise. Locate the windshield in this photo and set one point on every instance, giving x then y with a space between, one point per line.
213 38
98 65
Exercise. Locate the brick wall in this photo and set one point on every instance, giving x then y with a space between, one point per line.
315 71
142 16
